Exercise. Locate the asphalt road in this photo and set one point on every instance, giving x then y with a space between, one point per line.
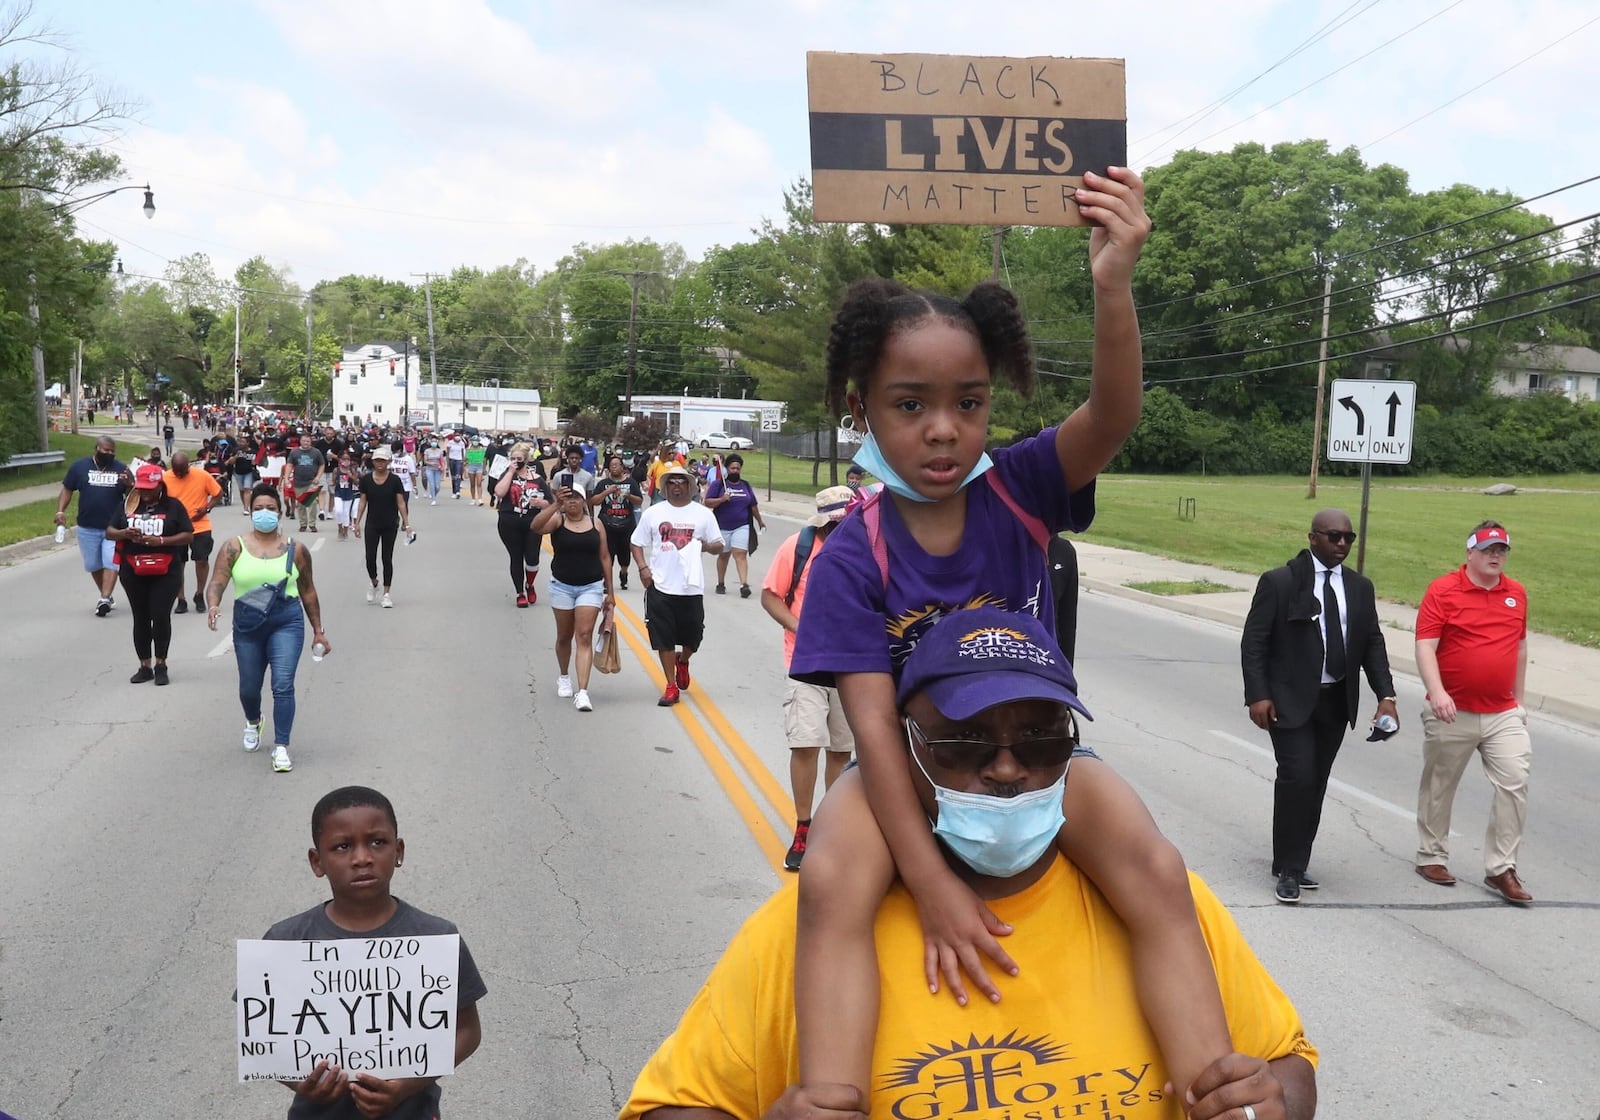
597 863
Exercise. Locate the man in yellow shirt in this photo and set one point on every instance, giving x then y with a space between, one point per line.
1067 1039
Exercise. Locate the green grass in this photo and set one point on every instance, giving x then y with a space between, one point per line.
21 523
1416 530
790 475
1180 587
76 447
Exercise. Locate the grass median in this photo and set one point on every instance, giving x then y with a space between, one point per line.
22 523
1416 531
74 447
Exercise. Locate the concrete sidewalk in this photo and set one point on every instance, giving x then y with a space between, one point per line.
1563 678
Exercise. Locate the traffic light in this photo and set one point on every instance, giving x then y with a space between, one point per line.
238 365
363 369
262 366
205 363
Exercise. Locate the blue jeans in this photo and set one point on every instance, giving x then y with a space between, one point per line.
277 643
435 480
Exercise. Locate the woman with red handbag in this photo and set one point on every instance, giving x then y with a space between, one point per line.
152 533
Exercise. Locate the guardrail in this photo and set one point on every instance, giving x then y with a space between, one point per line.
34 459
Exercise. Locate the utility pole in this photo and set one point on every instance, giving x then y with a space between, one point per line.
634 278
41 411
1322 381
236 357
308 360
433 365
77 387
996 241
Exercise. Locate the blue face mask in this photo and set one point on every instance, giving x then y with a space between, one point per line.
997 836
871 460
265 520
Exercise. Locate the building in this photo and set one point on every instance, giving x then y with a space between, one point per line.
695 417
1527 368
379 381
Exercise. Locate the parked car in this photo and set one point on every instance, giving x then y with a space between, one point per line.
726 442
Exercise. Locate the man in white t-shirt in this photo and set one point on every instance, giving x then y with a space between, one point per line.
668 545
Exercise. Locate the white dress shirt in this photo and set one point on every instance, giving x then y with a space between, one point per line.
1344 612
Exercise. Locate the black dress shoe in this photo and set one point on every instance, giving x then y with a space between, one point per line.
1288 889
1307 883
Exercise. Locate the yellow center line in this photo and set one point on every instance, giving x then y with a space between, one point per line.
773 844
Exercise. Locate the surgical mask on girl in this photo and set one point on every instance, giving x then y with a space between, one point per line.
998 836
265 520
871 460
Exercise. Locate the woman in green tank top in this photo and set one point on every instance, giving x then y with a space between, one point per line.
260 558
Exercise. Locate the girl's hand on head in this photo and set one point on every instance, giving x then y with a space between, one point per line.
1115 205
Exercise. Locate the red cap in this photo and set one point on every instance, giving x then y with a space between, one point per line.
1483 538
148 477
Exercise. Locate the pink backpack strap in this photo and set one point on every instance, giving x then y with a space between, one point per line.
1035 527
872 515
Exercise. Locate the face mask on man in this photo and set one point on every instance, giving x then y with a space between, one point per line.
104 459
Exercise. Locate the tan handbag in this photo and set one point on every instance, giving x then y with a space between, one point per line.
608 659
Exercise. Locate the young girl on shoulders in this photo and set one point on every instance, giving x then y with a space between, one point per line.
953 528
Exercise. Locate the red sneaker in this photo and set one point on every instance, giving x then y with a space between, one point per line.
669 697
522 600
683 674
532 596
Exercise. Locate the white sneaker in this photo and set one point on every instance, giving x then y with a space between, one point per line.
564 687
280 760
372 594
387 602
581 701
252 736
433 501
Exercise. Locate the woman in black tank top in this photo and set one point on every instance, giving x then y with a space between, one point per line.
580 586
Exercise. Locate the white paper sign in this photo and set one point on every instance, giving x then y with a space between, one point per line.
379 1005
498 467
273 467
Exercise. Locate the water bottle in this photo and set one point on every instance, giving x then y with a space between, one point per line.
61 533
318 650
1387 724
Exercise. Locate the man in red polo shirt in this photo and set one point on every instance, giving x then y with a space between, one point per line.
1472 655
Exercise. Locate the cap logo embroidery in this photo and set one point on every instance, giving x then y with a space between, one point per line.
993 642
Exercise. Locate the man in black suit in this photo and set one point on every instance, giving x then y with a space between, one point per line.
1312 625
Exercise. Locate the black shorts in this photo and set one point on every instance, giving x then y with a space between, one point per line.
674 620
200 547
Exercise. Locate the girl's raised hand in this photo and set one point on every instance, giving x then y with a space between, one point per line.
1115 204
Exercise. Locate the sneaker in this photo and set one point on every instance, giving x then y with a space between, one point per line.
161 675
744 591
721 589
102 608
797 849
199 602
669 697
433 501
321 516
564 687
581 701
624 575
683 674
1288 889
280 760
144 673
252 736
522 600
533 596
182 607
372 594
387 602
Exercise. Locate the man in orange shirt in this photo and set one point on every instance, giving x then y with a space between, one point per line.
1472 655
199 492
813 718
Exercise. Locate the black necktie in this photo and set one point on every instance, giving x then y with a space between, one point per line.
1332 631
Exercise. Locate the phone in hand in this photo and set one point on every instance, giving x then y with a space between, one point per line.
564 480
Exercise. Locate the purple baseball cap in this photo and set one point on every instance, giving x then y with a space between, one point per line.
972 660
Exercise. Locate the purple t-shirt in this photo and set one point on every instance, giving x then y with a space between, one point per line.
853 625
735 512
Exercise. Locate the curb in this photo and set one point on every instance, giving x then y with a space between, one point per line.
1401 660
13 554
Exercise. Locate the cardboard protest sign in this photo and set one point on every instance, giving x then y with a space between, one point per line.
961 140
379 1005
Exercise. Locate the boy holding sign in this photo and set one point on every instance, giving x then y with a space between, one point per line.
357 849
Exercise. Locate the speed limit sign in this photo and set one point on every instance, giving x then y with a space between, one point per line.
772 419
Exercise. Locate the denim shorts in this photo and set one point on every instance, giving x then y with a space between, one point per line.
568 596
97 552
736 539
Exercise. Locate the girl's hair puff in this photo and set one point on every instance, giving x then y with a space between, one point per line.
874 309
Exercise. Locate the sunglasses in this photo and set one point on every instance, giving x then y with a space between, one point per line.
1335 536
972 755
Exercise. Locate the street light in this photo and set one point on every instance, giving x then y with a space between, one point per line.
73 205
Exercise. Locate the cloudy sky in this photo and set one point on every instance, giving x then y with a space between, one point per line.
403 136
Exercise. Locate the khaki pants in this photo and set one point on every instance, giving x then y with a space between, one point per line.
1501 740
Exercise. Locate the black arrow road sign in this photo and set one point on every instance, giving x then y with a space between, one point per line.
1394 410
1361 417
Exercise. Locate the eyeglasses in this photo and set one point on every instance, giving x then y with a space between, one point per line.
1335 536
972 755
